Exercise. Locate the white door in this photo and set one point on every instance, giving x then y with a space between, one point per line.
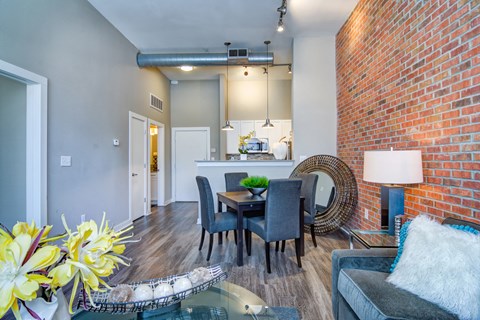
138 163
189 144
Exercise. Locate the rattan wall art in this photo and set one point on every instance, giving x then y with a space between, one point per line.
346 195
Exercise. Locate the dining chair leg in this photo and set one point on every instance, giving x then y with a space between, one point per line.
226 234
297 252
202 237
283 245
248 241
220 240
267 256
277 245
312 232
235 236
210 246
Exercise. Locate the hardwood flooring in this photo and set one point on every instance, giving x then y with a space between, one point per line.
169 245
170 239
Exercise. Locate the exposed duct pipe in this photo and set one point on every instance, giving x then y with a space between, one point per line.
200 59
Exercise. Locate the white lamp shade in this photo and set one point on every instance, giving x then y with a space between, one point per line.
393 167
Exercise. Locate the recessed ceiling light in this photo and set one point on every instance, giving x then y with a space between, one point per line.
186 68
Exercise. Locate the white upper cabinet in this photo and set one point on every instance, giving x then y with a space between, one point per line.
281 128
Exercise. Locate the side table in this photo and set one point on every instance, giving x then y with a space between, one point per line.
373 238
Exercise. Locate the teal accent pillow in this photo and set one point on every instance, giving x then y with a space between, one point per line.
404 233
402 237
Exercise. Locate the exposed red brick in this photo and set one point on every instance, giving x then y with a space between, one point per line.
414 84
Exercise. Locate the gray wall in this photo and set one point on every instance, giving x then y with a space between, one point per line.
93 83
195 103
314 97
13 99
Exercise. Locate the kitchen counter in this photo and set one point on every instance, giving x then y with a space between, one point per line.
245 163
215 171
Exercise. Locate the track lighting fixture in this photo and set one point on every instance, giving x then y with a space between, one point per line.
227 126
290 69
245 71
283 11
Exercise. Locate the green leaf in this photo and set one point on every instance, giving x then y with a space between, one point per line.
254 182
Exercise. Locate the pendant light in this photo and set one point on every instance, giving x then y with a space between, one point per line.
267 124
227 126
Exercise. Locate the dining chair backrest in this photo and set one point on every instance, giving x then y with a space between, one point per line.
207 209
309 190
232 181
282 208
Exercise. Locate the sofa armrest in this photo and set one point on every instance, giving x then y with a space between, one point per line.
372 259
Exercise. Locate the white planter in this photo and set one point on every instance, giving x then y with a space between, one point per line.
243 156
57 309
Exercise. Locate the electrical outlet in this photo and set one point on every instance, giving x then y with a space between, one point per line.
366 213
82 218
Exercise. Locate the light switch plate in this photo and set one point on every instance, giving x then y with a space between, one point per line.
65 161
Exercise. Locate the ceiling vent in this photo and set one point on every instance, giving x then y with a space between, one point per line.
237 53
156 103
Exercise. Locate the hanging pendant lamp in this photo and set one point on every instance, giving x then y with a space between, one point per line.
227 126
267 124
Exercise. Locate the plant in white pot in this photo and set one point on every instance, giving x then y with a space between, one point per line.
242 145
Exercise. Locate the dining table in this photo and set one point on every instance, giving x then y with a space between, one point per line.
243 201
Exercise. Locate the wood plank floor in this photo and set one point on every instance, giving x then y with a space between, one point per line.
169 245
170 239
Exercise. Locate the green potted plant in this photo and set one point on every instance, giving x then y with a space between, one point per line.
255 184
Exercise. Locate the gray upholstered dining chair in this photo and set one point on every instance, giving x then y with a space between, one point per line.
281 220
309 190
211 221
232 181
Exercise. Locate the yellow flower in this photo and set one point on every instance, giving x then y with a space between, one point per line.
93 253
16 279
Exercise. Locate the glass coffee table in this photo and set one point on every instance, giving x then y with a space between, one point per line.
373 238
224 300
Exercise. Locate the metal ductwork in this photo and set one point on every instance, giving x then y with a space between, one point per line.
200 59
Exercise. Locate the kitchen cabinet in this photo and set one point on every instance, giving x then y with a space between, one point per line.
281 128
233 136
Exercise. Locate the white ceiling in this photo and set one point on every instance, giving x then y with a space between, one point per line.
195 26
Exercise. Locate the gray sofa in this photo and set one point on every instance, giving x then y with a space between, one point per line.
359 289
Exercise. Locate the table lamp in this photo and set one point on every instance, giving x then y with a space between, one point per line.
392 168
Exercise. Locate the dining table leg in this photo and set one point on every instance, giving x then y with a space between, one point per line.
240 236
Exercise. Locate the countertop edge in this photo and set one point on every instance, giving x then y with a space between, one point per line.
244 163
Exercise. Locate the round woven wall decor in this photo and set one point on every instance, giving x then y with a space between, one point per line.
346 193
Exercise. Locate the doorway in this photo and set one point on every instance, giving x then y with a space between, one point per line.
156 152
35 142
188 145
137 166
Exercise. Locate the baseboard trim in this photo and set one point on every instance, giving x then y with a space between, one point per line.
122 225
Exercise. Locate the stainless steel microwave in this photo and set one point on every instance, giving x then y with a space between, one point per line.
257 145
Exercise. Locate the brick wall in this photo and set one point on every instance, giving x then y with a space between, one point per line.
408 77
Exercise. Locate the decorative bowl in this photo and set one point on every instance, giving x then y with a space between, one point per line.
257 191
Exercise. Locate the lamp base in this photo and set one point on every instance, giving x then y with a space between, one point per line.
392 204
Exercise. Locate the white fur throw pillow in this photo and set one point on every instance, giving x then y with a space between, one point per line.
442 265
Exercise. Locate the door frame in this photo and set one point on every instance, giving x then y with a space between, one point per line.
132 115
161 166
174 160
36 144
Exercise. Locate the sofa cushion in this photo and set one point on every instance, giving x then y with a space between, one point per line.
371 297
441 265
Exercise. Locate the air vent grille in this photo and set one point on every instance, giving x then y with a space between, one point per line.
156 103
237 53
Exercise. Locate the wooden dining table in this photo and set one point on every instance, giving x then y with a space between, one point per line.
243 201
